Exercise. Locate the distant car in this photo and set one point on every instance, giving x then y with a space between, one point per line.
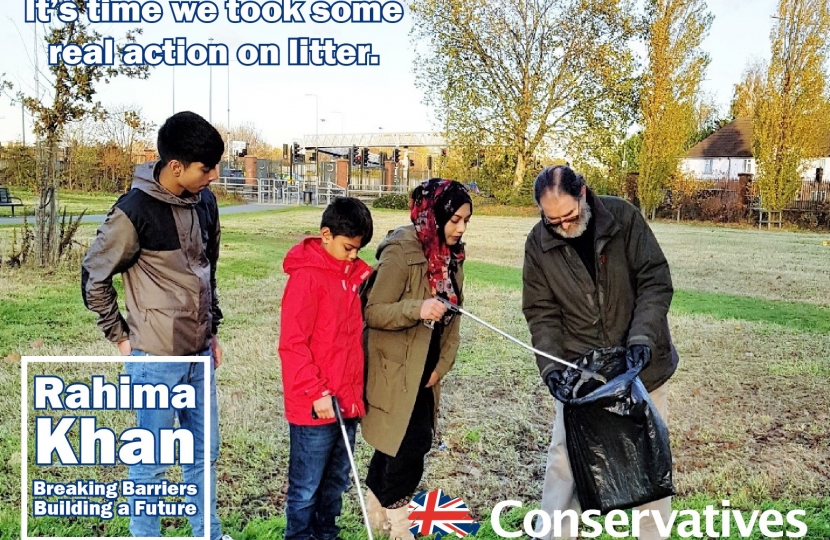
472 187
233 176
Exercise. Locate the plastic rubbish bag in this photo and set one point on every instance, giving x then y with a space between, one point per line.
618 445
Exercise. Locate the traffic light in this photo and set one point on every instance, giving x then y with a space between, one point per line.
411 162
429 163
284 151
364 156
355 155
296 150
396 155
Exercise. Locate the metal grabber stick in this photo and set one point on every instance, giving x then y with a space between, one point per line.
340 421
588 373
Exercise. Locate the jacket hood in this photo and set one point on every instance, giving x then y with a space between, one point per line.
310 254
404 236
144 179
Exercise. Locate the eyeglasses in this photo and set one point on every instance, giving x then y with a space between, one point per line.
571 219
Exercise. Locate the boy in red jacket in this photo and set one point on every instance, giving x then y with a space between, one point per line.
321 348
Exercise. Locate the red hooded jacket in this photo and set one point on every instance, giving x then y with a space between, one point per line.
321 332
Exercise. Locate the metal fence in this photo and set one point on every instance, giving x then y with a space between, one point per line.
811 195
288 192
305 188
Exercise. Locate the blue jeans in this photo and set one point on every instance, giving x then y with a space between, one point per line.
318 475
172 373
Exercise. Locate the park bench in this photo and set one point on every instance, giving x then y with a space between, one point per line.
8 200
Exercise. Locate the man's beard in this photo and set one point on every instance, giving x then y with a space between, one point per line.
577 229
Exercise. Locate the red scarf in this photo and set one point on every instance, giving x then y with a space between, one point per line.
438 254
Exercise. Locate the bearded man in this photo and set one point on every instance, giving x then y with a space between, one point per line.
594 277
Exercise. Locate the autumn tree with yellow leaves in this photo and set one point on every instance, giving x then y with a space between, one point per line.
748 90
791 117
671 83
518 75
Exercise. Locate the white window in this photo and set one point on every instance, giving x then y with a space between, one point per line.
707 166
747 165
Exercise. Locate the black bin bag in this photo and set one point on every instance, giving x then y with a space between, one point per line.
618 445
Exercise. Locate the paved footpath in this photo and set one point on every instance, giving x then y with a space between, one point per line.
99 218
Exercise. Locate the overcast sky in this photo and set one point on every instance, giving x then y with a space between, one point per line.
370 98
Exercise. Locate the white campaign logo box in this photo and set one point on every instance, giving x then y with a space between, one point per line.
24 420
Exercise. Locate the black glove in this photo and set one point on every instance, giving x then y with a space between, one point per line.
561 383
639 356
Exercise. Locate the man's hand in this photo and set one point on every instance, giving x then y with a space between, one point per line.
216 351
640 355
323 408
432 310
124 347
433 379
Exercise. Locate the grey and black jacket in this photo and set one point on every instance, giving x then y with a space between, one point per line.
166 248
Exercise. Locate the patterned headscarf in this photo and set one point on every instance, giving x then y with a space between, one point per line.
433 204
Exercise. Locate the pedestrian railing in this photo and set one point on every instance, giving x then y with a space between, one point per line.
305 191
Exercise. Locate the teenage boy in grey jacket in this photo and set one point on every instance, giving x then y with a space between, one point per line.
163 238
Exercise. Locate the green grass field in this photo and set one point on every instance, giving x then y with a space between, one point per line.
74 201
748 406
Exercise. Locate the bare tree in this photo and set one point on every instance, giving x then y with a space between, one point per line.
123 132
70 92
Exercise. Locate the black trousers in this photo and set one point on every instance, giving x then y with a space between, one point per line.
394 478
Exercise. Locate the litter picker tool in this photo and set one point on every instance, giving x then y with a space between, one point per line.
356 477
585 372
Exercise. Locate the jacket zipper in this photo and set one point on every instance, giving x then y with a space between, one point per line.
600 245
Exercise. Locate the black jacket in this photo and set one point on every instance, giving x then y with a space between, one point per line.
568 315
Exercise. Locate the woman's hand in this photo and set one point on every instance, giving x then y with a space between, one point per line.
433 379
432 310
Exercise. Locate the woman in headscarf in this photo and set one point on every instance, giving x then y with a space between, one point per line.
411 343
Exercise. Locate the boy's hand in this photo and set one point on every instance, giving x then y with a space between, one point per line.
434 378
124 347
432 310
216 351
323 408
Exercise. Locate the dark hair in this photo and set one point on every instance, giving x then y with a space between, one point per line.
189 138
559 179
347 216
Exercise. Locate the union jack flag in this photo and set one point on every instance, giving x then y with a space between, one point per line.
436 513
